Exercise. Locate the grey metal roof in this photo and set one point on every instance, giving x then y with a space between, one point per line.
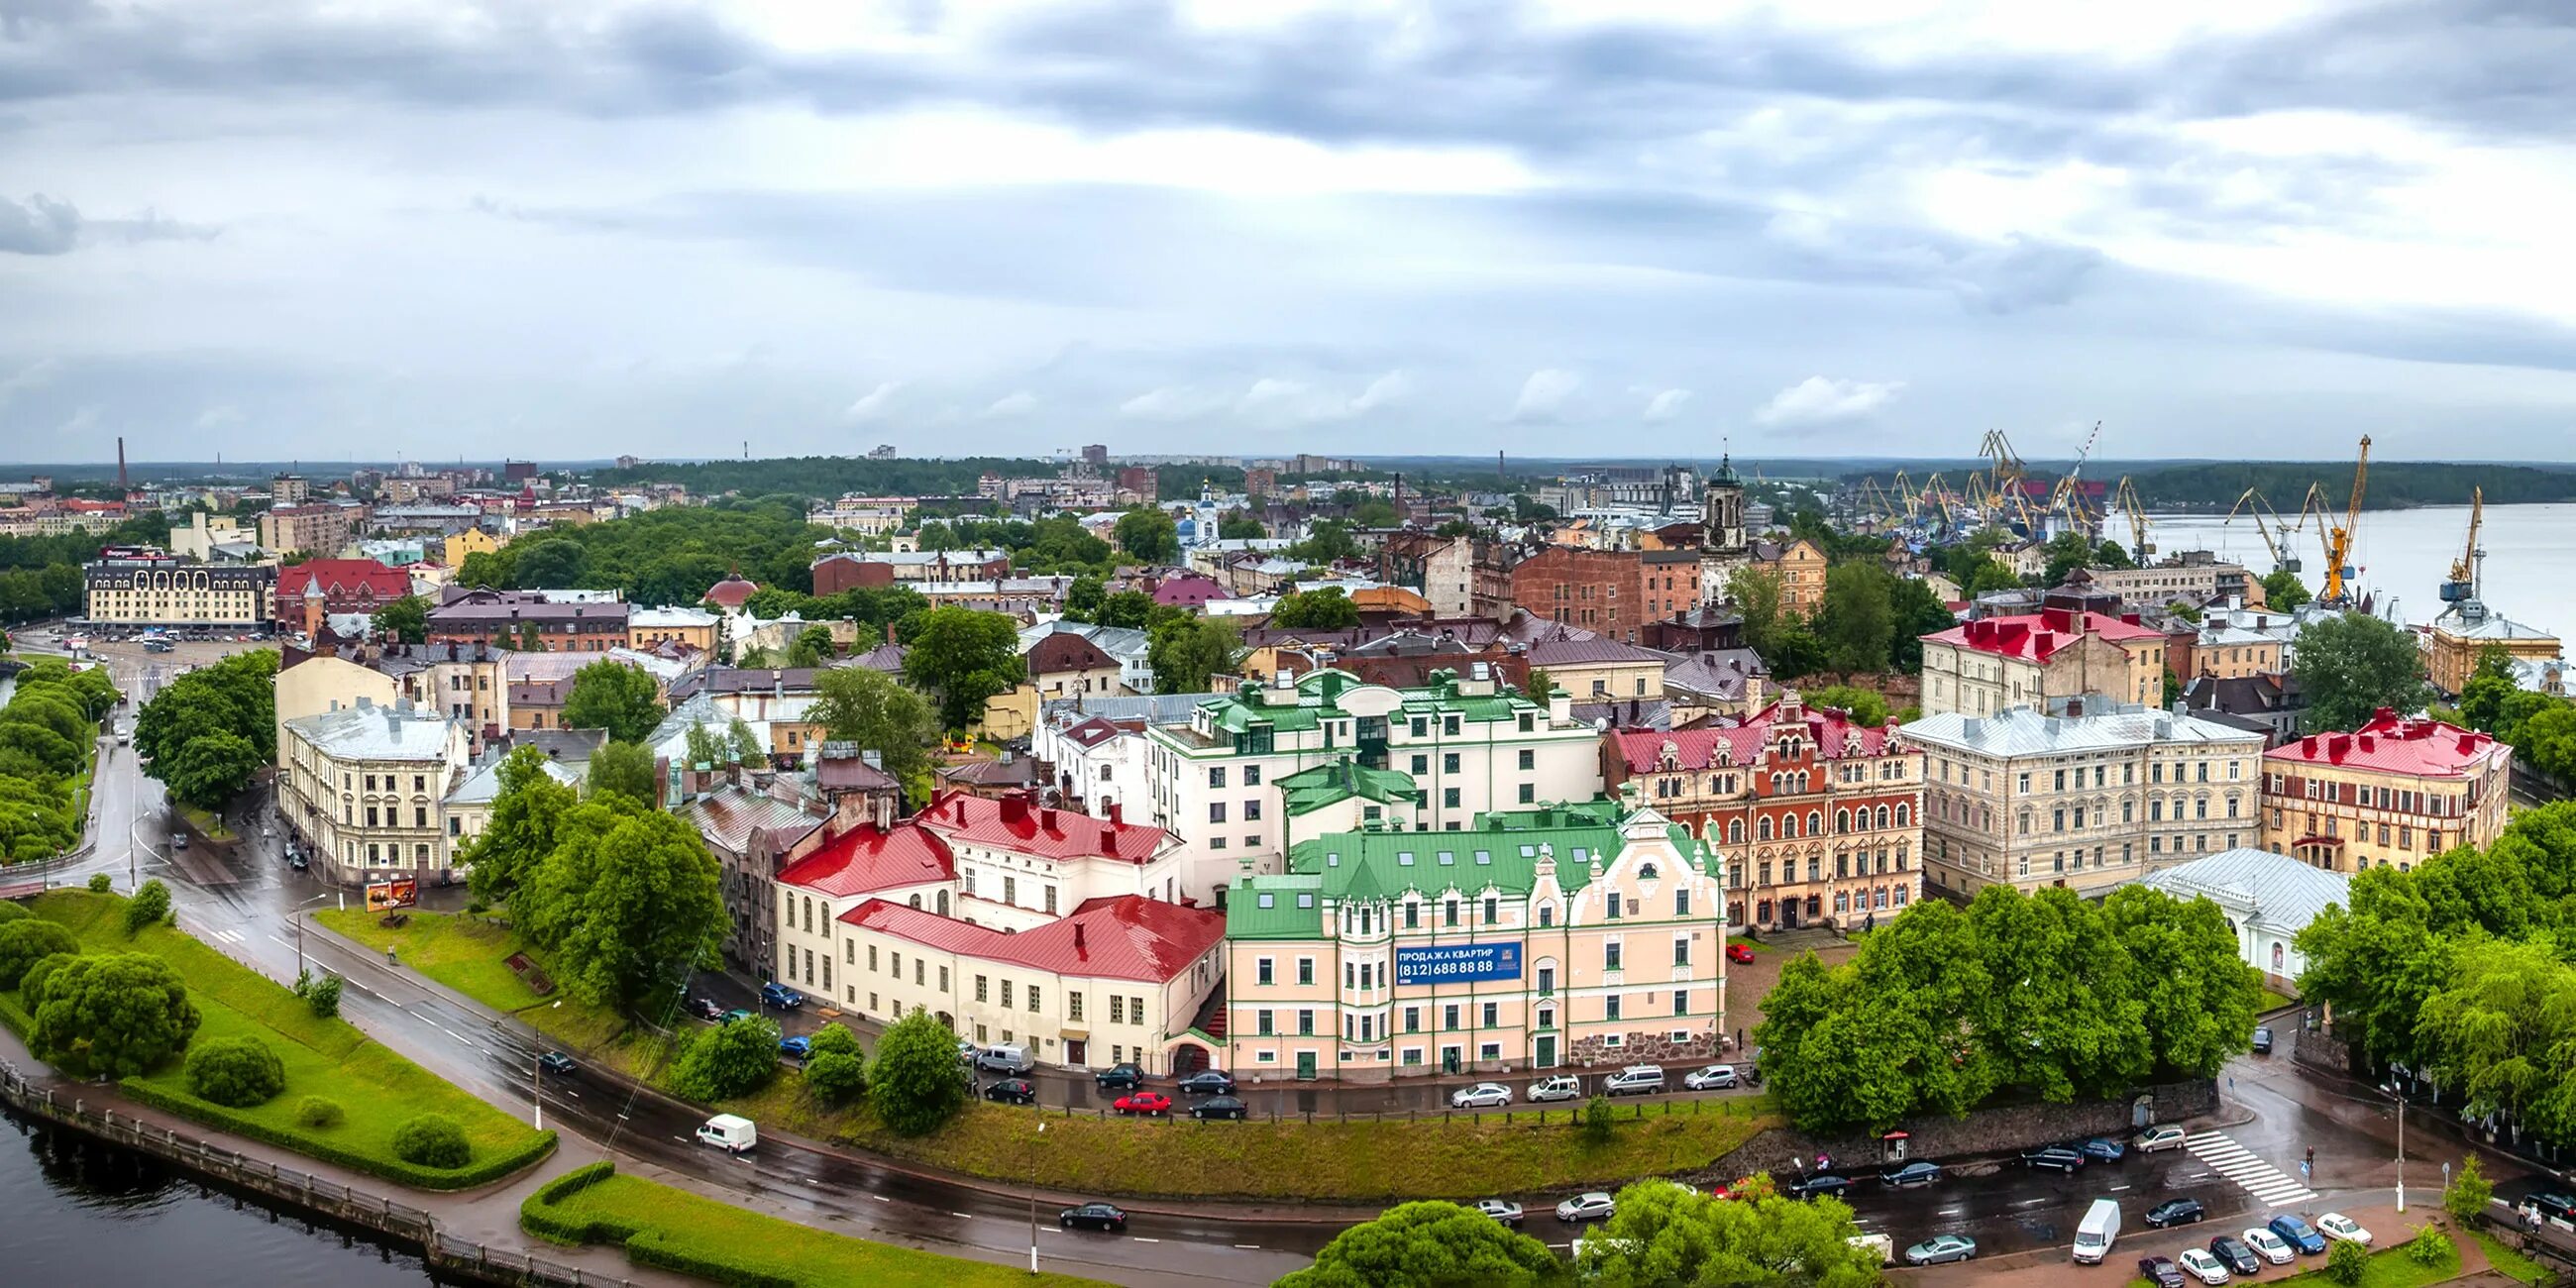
1152 708
484 786
375 733
2260 887
2021 731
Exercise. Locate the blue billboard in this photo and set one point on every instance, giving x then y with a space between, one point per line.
1457 963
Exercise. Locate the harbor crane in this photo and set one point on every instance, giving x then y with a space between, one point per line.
2462 586
2125 499
2285 557
2067 498
2338 539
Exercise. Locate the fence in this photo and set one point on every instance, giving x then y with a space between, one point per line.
341 1203
1623 1109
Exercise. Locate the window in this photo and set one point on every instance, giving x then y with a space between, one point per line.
980 982
1117 1009
1449 912
1610 955
1006 994
1681 951
1413 1019
1681 902
1449 763
1033 997
1305 1024
1449 797
1421 766
1261 970
1547 914
1252 811
1529 793
1449 1017
1216 776
1252 775
1305 970
1610 1007
1261 1022
1529 758
1216 811
1681 1001
1493 1015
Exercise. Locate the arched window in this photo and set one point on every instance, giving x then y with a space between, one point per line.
943 903
1762 827
1882 817
1902 815
1645 872
916 901
1815 822
1842 820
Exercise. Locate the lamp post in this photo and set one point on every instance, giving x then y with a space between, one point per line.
2399 1099
298 915
1033 1194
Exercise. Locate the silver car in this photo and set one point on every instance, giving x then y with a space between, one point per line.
1484 1095
1502 1210
1592 1206
1715 1077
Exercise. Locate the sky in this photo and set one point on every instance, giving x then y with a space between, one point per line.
584 228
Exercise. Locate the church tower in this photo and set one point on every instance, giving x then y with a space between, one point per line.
1722 519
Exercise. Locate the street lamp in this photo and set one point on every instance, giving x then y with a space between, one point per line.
298 915
2399 1099
1033 1193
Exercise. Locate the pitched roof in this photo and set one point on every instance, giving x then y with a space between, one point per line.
1501 852
1017 825
1830 730
345 577
864 859
2038 636
1066 651
2282 893
729 815
1340 780
1123 937
1017 772
2021 731
1591 652
483 786
2397 744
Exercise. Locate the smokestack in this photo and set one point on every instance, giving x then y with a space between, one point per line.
121 484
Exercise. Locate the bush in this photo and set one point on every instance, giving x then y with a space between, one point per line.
322 994
113 1013
320 1113
836 1077
10 912
240 1072
100 884
2430 1248
2346 1263
835 1037
24 943
432 1140
1597 1119
374 1162
31 986
726 1061
2466 1199
914 1079
149 906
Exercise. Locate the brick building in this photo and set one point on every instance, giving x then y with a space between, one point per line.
1613 593
583 626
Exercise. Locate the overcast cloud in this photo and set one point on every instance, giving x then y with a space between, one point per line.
1636 227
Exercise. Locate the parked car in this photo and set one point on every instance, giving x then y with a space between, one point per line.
1015 1091
1120 1076
2175 1212
1502 1210
1822 1185
965 1052
178 840
2162 1272
1589 1206
1714 1077
1740 954
2269 1246
2335 1225
1004 1057
1220 1107
2297 1234
2101 1149
1143 1102
2055 1156
1484 1095
1094 1216
1564 1086
1917 1173
557 1063
2263 1039
1635 1080
2201 1266
2152 1139
798 1048
736 1013
1208 1082
704 1008
781 996
1942 1249
2234 1254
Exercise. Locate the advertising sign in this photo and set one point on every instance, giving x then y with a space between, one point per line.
1457 963
385 896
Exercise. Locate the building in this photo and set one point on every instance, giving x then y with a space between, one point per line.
694 627
522 616
158 590
1064 664
2268 899
2463 634
1990 664
2397 790
1798 565
469 806
1472 744
360 586
314 529
876 569
2192 576
1822 817
2273 703
729 595
869 516
754 834
1599 669
288 489
455 547
2224 652
1612 593
1550 939
364 789
2085 800
1129 647
1702 628
1441 568
773 700
462 681
198 540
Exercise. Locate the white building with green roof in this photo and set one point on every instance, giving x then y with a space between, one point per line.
1564 937
1468 743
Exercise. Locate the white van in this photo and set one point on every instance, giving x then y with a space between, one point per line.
1007 1057
2093 1236
1564 1086
730 1133
1635 1080
1879 1245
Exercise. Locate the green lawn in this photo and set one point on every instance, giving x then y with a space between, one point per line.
2273 1001
2512 1264
377 1088
1319 1162
207 823
674 1229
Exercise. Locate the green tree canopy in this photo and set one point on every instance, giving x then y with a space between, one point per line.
1917 612
1325 609
813 646
1756 597
1149 535
1857 623
731 1059
854 704
1187 653
626 905
2283 591
406 619
625 768
117 1014
2350 665
1326 541
1240 527
1864 706
1666 1235
1428 1245
209 731
614 696
913 1079
1083 596
28 940
1127 608
964 657
526 813
553 563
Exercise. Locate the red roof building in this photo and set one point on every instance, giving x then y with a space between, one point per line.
1187 590
1992 664
2397 790
345 585
1123 938
869 861
730 593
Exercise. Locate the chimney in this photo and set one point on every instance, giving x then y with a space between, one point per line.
1117 814
1015 807
1078 945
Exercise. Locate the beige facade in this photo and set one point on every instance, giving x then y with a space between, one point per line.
319 530
2396 791
1993 664
455 546
162 592
2226 653
646 627
364 789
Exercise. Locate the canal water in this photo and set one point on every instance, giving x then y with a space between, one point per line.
74 1210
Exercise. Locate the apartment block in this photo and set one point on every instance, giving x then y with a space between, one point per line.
2398 790
1613 593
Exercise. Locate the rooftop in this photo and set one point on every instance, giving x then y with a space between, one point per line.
2038 636
1124 937
1017 824
2021 731
2266 889
2396 744
370 732
864 859
483 786
1834 734
730 814
1335 781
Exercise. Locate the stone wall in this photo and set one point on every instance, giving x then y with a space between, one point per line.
2004 1129
1655 1047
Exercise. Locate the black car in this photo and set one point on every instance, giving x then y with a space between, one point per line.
556 1062
1124 1077
2263 1040
1096 1216
2175 1212
2161 1271
1208 1082
2058 1157
1219 1107
1017 1091
1911 1174
705 1008
2233 1254
1821 1185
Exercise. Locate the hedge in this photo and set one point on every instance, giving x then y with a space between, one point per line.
392 1169
655 1247
540 1217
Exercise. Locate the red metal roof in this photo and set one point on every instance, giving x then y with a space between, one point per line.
730 592
2038 636
1016 823
344 577
864 859
2397 744
1125 937
1827 728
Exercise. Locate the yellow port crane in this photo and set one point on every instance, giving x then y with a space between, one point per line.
2463 583
2339 569
2124 498
2008 481
2285 558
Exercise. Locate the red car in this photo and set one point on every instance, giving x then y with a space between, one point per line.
1739 954
1144 1102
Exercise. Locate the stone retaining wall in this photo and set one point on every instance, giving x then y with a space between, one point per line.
2004 1129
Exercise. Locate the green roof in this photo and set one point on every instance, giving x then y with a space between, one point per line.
1335 781
1600 811
1318 694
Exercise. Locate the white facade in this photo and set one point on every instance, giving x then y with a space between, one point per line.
365 786
2268 898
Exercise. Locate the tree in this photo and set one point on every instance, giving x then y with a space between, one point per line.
2469 1193
406 619
813 646
2283 591
2067 551
526 813
2111 554
2347 1264
913 1079
1327 541
1795 651
117 1014
1858 620
1149 535
854 704
25 942
625 768
1863 706
611 695
1986 576
1917 612
1327 609
1664 1234
150 906
1189 653
207 770
2350 665
1756 597
626 905
1539 685
239 1072
728 1060
1127 608
432 1140
1083 597
744 744
836 1077
1428 1245
557 563
208 732
1240 527
320 992
965 657
2199 997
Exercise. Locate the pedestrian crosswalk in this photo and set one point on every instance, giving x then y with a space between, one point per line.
228 936
2238 1164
